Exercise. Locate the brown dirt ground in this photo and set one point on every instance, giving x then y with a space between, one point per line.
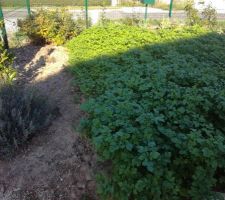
56 164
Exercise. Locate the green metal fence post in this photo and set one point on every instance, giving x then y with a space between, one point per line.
146 12
28 7
86 12
3 30
171 8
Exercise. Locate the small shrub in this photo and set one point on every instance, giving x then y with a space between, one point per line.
46 26
130 3
155 110
132 21
209 16
23 113
193 17
103 19
7 73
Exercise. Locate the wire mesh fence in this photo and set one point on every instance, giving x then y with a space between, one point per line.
10 10
131 9
95 10
78 3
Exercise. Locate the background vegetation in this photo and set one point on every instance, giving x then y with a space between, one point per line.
55 27
178 5
54 2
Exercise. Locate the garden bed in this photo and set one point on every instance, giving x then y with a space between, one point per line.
57 163
155 109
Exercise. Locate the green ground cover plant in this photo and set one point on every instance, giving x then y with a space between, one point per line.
156 103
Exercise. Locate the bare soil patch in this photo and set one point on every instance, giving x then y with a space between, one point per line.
57 164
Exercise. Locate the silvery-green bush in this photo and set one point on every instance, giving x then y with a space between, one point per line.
23 113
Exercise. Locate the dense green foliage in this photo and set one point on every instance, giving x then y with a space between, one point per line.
7 73
112 41
56 26
22 114
156 109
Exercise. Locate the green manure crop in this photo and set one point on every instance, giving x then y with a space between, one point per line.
155 104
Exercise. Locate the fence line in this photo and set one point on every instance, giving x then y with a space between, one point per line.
11 8
3 33
127 8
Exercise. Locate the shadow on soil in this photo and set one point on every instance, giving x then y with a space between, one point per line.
57 164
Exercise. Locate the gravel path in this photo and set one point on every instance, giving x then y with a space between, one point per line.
57 164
